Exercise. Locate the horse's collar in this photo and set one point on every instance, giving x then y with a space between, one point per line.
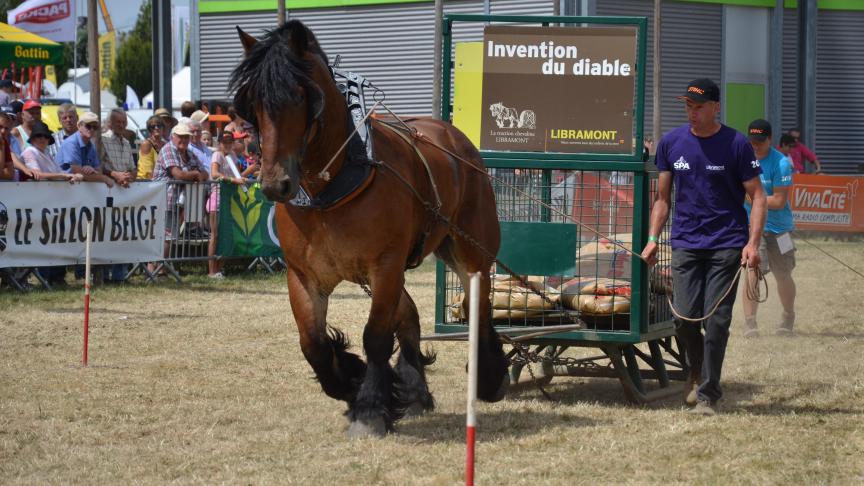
353 177
351 180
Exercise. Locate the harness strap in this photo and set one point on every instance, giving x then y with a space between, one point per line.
411 142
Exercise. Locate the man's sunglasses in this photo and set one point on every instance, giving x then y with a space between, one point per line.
154 127
92 126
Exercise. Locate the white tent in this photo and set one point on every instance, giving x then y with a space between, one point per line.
82 98
181 90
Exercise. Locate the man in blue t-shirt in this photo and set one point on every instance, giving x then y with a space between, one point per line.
712 167
776 249
78 153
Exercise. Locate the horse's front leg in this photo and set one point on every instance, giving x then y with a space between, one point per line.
338 371
377 407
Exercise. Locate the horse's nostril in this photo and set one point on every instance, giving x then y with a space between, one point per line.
278 189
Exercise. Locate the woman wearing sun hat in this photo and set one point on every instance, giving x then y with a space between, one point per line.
36 157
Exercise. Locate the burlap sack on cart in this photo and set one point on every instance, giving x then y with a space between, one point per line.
511 300
598 296
605 257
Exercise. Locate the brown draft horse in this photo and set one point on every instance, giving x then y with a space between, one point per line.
284 87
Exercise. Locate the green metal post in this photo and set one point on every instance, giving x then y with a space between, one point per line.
440 291
446 66
546 197
638 269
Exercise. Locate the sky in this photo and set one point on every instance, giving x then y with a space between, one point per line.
123 12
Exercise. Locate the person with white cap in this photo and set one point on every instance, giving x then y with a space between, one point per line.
176 162
78 153
198 149
197 121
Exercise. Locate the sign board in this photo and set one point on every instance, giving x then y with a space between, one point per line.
559 89
827 203
107 57
45 223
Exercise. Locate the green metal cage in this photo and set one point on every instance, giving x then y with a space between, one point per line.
538 196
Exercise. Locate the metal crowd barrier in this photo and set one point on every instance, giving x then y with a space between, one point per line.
187 232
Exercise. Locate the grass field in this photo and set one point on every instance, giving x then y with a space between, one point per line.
204 382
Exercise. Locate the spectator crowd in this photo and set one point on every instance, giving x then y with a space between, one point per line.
89 149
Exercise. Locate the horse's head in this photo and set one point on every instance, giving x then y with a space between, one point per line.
280 87
496 109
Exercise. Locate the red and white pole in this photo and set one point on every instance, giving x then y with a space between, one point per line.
473 339
87 282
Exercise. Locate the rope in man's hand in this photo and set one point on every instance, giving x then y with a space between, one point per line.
754 288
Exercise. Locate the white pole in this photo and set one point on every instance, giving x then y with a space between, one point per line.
87 282
75 59
473 338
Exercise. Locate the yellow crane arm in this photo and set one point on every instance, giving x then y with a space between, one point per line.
106 16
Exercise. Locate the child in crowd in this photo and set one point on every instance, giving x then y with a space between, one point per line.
223 166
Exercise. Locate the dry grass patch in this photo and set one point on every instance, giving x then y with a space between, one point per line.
204 382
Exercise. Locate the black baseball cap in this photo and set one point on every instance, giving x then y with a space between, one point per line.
701 90
759 130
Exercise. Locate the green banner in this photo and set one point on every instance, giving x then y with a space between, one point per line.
247 225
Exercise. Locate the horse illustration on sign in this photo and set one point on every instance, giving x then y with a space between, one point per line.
512 117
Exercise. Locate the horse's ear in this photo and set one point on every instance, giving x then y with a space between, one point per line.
247 40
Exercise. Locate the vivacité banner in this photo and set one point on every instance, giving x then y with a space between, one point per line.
45 223
827 202
559 89
247 223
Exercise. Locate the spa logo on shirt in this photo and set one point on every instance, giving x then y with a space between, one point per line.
681 164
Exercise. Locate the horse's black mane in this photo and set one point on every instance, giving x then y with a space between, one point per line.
274 69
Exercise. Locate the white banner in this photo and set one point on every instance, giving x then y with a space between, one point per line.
51 19
45 223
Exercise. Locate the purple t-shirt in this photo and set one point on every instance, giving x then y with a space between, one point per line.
708 175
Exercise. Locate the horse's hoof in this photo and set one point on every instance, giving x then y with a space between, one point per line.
360 429
502 389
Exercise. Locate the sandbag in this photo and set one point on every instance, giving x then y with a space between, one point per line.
597 296
605 257
596 286
597 304
511 300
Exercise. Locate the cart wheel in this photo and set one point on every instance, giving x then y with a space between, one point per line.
634 368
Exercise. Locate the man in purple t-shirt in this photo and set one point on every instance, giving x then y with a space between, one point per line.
712 167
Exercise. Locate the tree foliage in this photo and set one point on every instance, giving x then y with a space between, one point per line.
133 65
